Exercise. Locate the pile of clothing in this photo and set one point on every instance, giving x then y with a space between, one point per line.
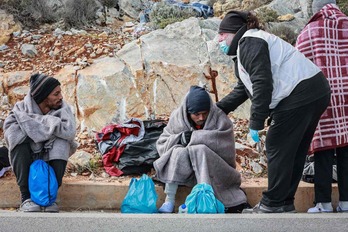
129 147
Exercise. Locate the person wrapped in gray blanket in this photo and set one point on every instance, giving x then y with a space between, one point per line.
197 146
41 124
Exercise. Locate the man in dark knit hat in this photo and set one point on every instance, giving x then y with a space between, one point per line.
40 125
196 145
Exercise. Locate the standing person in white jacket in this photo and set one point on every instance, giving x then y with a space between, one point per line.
283 85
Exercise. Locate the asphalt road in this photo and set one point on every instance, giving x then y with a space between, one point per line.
12 221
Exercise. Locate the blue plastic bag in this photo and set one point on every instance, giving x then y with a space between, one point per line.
202 200
141 196
43 185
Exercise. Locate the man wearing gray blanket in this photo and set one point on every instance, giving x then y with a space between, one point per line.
197 146
42 124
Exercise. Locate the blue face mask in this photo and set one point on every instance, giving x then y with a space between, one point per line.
223 47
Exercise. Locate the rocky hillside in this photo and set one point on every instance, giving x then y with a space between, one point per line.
119 63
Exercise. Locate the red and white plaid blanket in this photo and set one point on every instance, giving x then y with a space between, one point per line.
324 40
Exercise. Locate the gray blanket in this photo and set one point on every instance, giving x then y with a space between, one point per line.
54 131
208 158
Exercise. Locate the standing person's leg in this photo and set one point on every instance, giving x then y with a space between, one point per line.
323 161
287 143
342 178
281 145
307 126
21 159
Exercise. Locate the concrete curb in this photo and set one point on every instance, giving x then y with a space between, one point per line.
88 195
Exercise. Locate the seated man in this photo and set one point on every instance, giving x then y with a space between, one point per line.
197 146
42 124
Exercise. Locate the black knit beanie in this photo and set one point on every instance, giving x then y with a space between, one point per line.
197 100
233 21
41 86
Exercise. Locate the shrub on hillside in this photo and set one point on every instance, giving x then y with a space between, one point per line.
266 15
163 14
30 12
80 12
284 32
108 4
343 4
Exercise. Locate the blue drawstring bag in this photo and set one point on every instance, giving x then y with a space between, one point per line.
141 196
202 200
43 185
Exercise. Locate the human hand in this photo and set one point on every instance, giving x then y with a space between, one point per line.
254 134
185 138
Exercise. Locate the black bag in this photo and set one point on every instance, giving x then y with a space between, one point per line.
308 171
138 157
4 161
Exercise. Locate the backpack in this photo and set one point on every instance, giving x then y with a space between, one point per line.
202 200
43 185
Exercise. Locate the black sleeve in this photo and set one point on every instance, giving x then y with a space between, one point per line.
255 58
236 97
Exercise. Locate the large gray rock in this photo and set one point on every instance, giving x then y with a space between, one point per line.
16 85
301 9
166 62
105 88
148 78
7 26
132 8
29 50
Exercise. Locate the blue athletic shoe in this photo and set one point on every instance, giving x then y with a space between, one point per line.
167 207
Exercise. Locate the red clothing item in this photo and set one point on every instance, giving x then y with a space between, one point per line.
113 155
324 40
198 127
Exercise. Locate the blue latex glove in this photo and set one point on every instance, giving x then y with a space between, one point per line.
254 134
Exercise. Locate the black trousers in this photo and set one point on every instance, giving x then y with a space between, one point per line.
323 161
21 159
287 143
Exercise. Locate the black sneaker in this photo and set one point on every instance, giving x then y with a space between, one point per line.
238 208
290 208
261 208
